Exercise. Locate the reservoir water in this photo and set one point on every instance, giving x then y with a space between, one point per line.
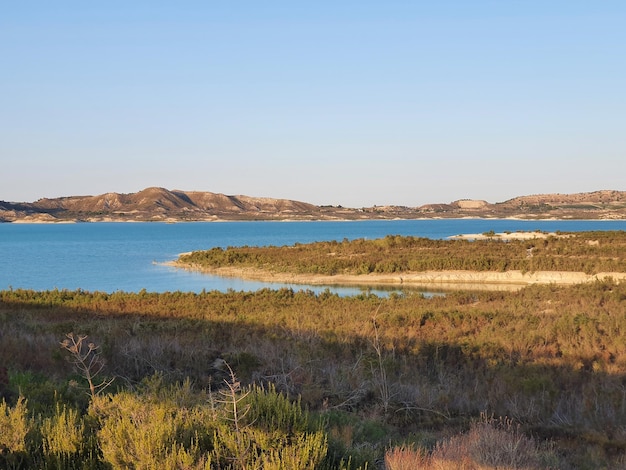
111 257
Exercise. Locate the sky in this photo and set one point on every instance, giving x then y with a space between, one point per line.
353 103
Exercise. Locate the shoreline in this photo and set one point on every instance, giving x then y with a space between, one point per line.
453 279
507 236
450 279
173 220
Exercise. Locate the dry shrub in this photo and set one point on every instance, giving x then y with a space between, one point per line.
489 444
406 458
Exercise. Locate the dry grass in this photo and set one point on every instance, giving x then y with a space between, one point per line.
489 444
551 358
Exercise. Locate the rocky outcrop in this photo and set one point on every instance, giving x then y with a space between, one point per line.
471 204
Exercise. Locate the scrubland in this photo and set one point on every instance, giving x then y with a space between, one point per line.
292 379
588 252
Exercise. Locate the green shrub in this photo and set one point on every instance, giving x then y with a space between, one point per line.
67 441
14 428
62 433
136 432
261 428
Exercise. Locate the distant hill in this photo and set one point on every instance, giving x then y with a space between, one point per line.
159 204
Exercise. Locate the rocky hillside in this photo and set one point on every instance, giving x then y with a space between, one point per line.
593 205
159 204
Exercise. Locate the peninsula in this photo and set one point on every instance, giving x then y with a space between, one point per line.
491 261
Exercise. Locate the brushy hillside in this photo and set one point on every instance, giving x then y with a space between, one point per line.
321 380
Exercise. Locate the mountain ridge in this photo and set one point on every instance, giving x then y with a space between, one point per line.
160 204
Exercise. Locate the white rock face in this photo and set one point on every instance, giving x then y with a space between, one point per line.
471 204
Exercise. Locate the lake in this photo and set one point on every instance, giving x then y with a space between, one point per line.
111 257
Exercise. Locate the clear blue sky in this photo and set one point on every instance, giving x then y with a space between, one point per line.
356 103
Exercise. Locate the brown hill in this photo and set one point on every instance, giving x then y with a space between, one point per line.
150 199
597 204
159 204
596 199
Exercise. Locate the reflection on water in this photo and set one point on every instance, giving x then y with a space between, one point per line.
350 291
197 281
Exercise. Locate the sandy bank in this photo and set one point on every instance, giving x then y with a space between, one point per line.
440 279
503 236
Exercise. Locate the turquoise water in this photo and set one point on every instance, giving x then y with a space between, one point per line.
112 257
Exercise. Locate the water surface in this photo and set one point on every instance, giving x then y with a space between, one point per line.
112 257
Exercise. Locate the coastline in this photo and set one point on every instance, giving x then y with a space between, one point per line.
505 236
454 279
36 219
450 279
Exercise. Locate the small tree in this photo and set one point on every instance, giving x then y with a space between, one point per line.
87 360
232 395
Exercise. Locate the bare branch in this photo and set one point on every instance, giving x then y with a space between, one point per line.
87 360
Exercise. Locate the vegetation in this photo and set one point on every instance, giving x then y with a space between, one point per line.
291 379
589 252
